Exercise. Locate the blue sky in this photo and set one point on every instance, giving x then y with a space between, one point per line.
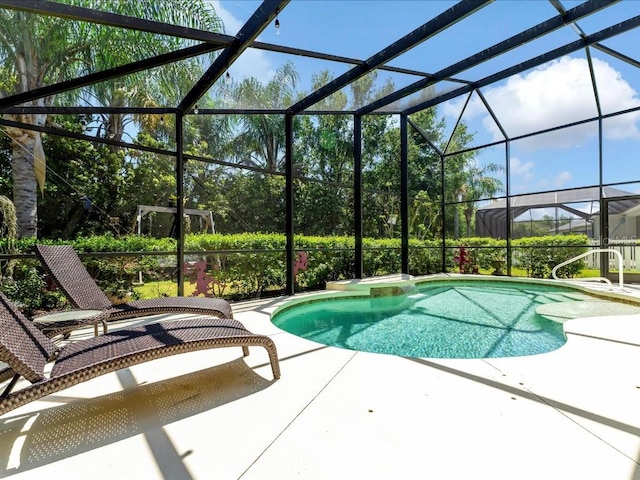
547 96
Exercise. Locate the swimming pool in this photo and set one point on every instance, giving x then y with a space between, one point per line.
436 319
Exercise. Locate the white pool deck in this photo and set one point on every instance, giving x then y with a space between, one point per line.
337 414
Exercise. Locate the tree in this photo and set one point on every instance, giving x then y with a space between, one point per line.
40 50
8 232
382 177
479 184
34 51
465 180
79 196
162 86
260 141
324 155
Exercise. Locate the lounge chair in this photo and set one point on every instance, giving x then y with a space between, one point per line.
26 351
66 270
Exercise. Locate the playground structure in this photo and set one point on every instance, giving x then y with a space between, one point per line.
205 217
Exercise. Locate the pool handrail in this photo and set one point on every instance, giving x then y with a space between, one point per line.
597 250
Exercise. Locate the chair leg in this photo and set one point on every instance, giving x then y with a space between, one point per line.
245 350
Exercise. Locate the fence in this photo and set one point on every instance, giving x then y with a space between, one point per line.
629 255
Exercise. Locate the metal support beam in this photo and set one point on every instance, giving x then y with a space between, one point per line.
443 234
616 54
604 34
604 216
70 12
495 118
515 41
88 138
105 75
404 194
507 154
180 201
424 135
604 207
332 58
288 157
247 34
357 194
431 28
455 126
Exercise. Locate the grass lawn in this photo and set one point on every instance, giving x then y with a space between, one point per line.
164 288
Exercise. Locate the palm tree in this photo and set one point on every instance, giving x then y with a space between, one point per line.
478 184
38 50
465 181
34 51
263 135
161 86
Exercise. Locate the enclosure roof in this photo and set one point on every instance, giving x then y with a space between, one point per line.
557 198
448 50
491 220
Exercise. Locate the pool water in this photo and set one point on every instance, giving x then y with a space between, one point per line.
453 319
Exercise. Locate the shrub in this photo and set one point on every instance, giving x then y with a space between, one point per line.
539 255
254 264
27 288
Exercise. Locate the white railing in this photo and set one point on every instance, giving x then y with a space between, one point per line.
597 279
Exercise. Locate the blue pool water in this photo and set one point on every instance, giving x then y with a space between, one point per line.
452 319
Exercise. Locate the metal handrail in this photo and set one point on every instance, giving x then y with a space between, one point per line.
586 254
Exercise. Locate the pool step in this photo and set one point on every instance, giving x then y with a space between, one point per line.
395 283
563 311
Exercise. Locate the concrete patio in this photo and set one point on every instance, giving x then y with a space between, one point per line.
340 414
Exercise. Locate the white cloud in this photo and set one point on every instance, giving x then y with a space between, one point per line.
563 179
523 175
252 62
519 169
554 94
560 180
231 24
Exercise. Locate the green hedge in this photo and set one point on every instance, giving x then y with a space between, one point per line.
535 255
254 264
538 255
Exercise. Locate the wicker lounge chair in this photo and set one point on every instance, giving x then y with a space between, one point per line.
26 351
65 268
